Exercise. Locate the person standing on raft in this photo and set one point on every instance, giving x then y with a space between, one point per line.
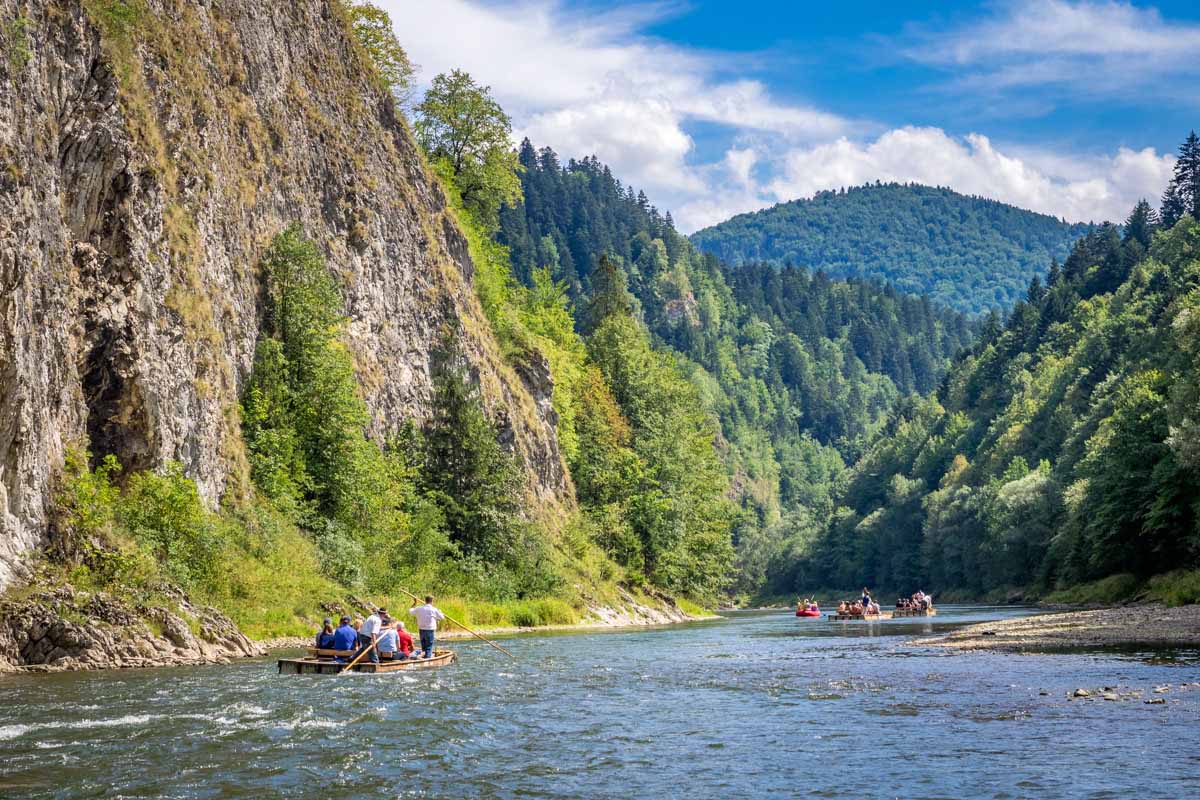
427 620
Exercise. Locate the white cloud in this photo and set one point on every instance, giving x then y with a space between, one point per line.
594 85
1093 47
1104 187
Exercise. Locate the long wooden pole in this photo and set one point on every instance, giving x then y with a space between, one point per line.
358 657
464 627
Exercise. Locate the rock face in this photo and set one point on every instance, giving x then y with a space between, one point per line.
62 629
146 162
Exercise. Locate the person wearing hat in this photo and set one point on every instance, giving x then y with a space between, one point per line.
369 631
325 637
370 627
345 637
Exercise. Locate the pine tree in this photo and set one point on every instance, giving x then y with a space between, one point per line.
1183 192
1173 206
610 295
465 471
1140 225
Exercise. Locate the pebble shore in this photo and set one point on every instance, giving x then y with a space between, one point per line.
1151 626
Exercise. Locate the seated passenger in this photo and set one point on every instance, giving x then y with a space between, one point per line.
325 637
345 637
404 640
386 642
842 609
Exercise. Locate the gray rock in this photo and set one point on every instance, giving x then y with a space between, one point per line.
1081 693
129 293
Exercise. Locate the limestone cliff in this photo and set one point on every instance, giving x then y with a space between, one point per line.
149 151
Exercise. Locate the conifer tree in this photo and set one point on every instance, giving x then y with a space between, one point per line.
1140 225
465 471
1183 192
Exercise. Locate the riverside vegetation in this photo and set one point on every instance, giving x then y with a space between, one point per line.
747 430
332 513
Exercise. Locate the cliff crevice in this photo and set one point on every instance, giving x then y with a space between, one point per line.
148 159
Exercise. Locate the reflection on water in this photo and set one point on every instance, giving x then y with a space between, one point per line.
757 705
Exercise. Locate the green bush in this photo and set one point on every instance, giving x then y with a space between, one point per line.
1179 588
165 516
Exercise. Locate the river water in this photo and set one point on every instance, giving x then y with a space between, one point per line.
758 704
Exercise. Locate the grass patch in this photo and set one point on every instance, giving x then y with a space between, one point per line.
478 614
690 608
1178 588
1113 589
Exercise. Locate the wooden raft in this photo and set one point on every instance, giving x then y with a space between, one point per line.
868 617
914 612
323 663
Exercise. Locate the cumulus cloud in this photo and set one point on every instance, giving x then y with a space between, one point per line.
1086 46
593 84
1098 188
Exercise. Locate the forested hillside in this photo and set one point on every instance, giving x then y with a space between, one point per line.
966 252
1061 449
799 369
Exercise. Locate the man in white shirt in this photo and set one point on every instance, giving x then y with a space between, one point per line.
427 620
369 630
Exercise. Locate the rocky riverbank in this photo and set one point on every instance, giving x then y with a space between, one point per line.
56 629
61 629
1150 626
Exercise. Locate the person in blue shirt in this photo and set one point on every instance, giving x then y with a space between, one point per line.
345 637
325 637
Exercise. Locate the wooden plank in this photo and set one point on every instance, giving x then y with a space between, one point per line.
314 666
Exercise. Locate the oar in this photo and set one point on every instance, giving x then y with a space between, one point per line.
464 627
357 658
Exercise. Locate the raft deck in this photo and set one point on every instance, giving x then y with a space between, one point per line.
914 612
868 617
327 666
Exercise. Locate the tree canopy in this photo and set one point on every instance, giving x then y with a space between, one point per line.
969 253
462 126
373 28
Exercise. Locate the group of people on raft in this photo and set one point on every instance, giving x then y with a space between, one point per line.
919 601
864 606
386 638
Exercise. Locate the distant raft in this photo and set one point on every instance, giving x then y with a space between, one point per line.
914 612
868 617
320 662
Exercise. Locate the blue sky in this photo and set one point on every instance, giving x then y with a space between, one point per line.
1070 108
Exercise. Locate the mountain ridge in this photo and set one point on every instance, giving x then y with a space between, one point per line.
971 253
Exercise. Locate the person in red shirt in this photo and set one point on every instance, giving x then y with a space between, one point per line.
405 641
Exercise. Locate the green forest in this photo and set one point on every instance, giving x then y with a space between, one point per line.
968 253
739 420
798 369
1060 451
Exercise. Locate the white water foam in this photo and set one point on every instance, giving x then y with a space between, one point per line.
13 731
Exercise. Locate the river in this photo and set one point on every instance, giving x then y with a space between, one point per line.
759 704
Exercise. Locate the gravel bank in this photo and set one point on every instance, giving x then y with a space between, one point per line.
1141 626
